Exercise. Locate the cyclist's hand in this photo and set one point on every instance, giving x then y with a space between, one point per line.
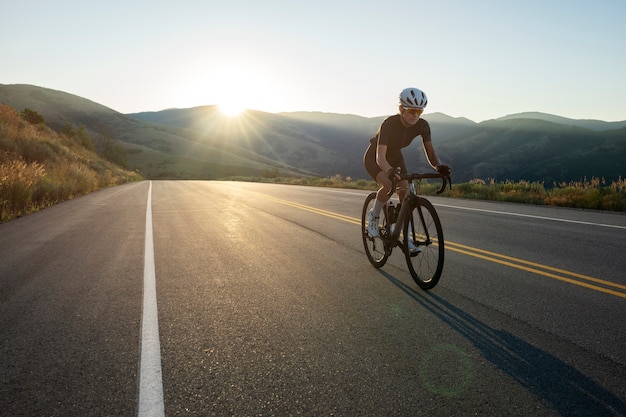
444 170
393 174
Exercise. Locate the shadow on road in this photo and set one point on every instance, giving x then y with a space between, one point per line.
564 388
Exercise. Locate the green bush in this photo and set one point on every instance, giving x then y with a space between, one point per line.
32 117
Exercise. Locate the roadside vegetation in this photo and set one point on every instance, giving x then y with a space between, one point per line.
594 193
40 167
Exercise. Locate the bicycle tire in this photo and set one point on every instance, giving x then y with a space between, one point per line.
375 248
424 228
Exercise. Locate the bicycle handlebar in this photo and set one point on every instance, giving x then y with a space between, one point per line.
445 180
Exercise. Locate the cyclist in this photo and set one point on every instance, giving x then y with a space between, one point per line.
384 154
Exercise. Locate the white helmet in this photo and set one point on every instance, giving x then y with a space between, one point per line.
413 98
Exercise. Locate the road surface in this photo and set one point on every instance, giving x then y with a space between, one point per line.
244 299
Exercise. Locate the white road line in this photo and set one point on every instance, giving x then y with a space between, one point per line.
556 219
532 216
150 377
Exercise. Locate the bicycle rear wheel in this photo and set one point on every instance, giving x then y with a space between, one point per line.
374 246
424 230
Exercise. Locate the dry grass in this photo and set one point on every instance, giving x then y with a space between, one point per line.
39 167
595 193
589 194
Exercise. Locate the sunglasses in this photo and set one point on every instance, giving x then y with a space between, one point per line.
417 112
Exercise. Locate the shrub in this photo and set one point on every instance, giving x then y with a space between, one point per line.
39 167
32 117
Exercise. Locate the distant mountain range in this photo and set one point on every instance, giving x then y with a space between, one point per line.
201 143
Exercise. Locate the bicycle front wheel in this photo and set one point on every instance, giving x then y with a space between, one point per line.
374 246
423 244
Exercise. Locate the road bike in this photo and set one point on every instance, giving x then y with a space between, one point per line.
414 226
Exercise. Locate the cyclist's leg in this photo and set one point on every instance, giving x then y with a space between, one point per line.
375 211
372 168
382 195
402 190
403 186
374 245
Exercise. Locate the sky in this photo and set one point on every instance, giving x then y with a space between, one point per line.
480 59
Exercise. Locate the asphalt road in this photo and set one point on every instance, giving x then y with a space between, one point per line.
267 306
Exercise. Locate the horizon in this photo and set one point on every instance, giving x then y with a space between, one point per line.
372 117
242 111
477 61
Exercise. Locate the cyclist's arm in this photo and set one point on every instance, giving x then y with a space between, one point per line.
381 158
431 155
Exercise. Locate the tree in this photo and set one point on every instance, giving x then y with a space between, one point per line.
79 134
32 117
109 148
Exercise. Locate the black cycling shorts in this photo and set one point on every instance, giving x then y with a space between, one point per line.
372 168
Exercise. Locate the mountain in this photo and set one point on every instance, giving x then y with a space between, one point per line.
202 143
516 147
592 124
158 151
322 143
536 150
290 140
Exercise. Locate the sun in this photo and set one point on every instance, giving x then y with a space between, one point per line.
231 109
232 91
235 89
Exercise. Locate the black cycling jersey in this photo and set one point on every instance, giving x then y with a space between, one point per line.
395 135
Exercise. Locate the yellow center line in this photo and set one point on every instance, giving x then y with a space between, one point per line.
318 211
533 267
450 246
536 265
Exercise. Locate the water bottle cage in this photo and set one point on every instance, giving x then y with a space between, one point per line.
392 213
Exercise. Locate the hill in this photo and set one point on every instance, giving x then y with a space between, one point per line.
305 147
39 167
202 143
322 143
592 124
512 148
536 150
157 151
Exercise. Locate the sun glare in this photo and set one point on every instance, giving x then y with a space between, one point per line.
231 109
234 91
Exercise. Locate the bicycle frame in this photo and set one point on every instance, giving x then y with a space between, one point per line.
407 204
404 213
416 223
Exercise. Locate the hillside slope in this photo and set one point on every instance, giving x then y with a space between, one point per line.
39 167
515 148
592 124
272 136
536 150
202 143
157 151
321 143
